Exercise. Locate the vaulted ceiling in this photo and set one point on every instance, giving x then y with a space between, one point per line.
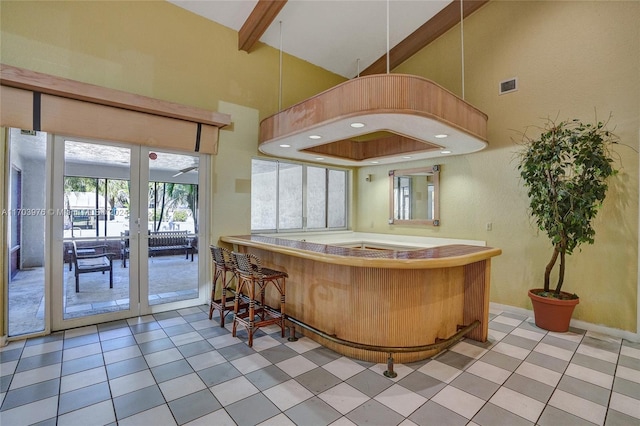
404 117
347 37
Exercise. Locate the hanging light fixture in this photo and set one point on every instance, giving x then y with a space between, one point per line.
377 119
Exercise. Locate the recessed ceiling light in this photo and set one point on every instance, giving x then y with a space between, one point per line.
284 145
375 162
319 158
357 125
446 151
315 137
441 136
406 157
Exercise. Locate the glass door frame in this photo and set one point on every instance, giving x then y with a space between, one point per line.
45 212
203 232
56 230
138 220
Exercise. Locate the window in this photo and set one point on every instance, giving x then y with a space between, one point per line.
290 212
92 206
316 200
290 196
336 198
173 206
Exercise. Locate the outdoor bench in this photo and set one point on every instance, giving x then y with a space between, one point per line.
160 242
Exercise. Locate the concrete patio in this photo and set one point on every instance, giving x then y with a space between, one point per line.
171 278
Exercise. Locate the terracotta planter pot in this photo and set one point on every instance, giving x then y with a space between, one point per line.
552 314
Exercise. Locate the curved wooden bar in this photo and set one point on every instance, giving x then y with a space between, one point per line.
388 298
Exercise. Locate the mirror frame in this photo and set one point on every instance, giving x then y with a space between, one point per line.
435 170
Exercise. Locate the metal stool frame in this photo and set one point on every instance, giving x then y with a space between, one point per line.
253 280
222 264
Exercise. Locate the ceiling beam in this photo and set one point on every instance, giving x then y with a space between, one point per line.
257 23
446 19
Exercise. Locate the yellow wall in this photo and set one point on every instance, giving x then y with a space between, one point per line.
152 48
572 59
231 189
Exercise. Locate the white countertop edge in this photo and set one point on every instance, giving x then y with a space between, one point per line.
350 238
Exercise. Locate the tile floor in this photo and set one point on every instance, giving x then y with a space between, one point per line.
178 367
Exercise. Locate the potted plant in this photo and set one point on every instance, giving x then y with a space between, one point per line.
565 170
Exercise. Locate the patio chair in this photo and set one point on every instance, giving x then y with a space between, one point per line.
86 262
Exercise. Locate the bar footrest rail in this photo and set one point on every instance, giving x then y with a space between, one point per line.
439 344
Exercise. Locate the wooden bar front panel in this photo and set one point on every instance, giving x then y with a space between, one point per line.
385 298
373 306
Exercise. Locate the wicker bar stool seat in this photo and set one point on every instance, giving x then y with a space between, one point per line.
253 280
223 275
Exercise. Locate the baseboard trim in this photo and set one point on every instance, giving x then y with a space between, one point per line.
3 341
595 328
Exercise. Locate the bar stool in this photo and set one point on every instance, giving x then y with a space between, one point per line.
253 280
223 264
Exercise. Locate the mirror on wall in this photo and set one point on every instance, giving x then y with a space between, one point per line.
414 196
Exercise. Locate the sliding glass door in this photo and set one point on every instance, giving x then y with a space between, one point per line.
94 193
126 241
173 229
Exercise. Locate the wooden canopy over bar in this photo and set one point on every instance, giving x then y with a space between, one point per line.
399 107
387 298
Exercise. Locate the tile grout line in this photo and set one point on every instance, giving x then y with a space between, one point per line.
613 382
510 375
555 388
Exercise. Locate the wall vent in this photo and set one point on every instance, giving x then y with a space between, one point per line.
508 86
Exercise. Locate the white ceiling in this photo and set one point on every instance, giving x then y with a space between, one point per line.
332 34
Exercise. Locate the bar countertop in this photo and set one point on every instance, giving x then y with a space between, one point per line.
420 258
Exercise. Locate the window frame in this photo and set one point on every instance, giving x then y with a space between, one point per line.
305 166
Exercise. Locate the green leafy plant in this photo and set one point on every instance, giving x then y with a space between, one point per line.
180 216
565 171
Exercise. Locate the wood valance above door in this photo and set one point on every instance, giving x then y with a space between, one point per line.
36 101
